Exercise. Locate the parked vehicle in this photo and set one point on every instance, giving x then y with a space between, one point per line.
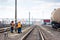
55 18
46 21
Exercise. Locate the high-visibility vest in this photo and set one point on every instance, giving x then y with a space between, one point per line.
12 24
19 25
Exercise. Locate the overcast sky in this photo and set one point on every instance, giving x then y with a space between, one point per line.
40 9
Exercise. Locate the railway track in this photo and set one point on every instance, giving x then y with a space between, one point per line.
4 29
33 34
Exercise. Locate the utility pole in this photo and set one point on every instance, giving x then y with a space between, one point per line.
29 18
32 20
15 13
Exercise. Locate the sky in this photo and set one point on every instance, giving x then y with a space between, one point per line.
39 9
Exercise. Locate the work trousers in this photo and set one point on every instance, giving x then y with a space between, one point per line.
12 29
19 30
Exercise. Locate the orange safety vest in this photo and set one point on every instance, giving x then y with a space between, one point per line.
19 25
12 24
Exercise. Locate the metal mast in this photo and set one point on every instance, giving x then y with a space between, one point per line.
15 13
29 18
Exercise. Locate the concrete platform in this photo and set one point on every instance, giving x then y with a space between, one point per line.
16 36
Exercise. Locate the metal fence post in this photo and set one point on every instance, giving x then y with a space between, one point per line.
5 34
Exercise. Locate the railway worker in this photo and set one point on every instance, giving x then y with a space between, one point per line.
12 26
19 27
